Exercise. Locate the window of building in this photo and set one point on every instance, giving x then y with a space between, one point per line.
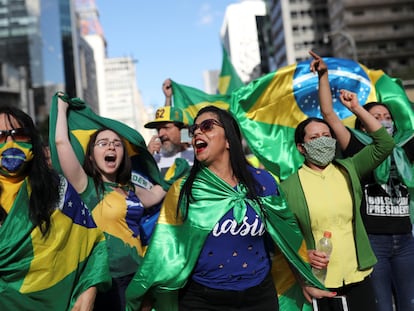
400 44
358 13
402 62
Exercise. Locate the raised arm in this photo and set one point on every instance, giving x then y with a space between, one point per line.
167 89
325 101
348 99
69 163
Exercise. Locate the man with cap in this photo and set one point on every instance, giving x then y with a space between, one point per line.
168 144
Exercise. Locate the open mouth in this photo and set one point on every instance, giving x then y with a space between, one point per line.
110 158
200 145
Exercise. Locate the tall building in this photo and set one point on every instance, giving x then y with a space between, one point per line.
123 100
88 87
91 31
297 26
240 37
380 33
36 39
211 79
377 33
117 96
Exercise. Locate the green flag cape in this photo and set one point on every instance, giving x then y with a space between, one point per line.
229 80
176 245
268 109
50 272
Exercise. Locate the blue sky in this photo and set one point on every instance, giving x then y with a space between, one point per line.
177 39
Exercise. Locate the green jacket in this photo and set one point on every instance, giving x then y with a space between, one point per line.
355 167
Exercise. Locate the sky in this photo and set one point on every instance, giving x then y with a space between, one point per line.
177 39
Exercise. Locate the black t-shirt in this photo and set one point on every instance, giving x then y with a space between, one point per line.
384 208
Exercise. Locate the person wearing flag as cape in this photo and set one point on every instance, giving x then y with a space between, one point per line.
217 232
104 182
52 255
385 206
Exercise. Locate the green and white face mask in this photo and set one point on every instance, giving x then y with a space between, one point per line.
320 151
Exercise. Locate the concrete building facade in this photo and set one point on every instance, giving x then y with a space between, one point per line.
240 33
123 100
36 40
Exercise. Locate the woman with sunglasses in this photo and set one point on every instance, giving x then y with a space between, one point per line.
385 206
217 230
117 205
43 224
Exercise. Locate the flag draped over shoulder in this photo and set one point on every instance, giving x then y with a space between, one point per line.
176 245
83 122
50 272
269 108
229 80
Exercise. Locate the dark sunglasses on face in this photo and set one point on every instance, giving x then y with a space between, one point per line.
19 134
205 126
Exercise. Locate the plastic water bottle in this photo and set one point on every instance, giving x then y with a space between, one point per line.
324 245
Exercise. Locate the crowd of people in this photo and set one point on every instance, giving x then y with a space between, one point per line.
73 241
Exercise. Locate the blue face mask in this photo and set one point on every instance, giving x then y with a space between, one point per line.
14 157
389 126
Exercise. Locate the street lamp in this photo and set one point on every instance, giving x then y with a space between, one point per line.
347 36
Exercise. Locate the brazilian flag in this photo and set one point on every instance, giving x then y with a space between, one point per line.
269 108
229 80
50 272
82 123
191 100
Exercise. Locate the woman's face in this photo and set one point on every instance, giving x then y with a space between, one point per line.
108 153
210 144
15 147
380 113
315 130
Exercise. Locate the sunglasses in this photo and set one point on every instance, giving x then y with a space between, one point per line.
205 126
19 134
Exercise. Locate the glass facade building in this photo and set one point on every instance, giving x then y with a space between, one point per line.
36 41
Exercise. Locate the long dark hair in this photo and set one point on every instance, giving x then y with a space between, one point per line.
123 175
237 159
44 181
368 107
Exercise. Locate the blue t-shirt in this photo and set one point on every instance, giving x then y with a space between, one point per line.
234 256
